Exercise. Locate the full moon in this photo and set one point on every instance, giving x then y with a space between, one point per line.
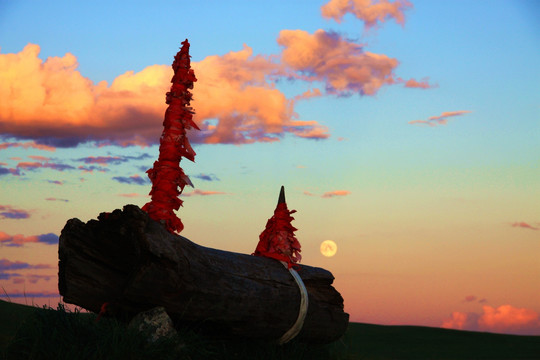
328 248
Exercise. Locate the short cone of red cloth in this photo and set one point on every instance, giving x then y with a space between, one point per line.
277 241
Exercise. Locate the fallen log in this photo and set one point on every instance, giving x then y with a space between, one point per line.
132 263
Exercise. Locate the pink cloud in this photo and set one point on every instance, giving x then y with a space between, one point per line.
342 65
45 165
309 130
11 171
26 145
55 182
329 194
311 93
19 240
9 212
56 199
366 10
503 319
524 225
6 264
102 160
335 193
32 294
204 193
39 158
473 298
132 195
423 84
441 119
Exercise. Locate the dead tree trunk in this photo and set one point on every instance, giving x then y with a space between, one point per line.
133 263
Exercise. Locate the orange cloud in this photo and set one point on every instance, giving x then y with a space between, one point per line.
50 101
236 90
342 65
503 319
524 225
371 13
439 120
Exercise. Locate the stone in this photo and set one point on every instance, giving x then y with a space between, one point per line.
154 322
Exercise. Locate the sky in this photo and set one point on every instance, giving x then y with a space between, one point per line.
408 132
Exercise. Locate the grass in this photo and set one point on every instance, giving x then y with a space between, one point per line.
42 333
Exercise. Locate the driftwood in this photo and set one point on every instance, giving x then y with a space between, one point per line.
133 263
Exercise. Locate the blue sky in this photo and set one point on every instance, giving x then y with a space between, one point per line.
430 178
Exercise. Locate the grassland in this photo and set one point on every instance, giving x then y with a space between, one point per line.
34 333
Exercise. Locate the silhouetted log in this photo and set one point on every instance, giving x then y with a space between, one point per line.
133 263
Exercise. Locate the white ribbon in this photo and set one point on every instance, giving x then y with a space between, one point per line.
292 332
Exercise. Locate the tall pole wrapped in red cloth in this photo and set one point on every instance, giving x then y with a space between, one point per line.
168 178
277 241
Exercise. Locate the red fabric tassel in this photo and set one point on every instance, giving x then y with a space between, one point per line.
277 241
168 178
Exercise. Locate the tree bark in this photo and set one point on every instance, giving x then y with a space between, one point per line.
133 263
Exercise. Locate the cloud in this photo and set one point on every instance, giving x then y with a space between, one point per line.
25 294
26 145
52 103
206 177
503 319
343 66
335 193
372 14
235 98
203 193
10 171
132 195
8 212
114 160
441 119
473 298
56 199
6 264
329 194
19 240
9 275
55 182
311 93
44 165
524 225
133 180
92 168
102 160
239 93
310 130
423 84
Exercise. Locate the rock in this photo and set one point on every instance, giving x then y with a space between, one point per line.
154 322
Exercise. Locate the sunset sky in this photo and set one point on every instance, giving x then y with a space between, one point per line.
408 132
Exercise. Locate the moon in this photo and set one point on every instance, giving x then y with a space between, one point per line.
328 248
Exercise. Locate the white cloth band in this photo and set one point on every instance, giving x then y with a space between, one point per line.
304 302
